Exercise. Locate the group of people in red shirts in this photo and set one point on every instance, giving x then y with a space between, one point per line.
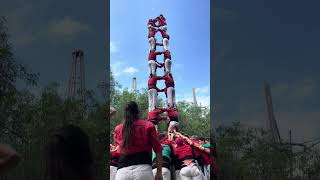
140 152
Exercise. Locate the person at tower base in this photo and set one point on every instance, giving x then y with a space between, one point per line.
169 90
184 161
152 28
173 115
136 139
166 156
154 116
153 92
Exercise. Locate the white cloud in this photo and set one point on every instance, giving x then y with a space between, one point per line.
130 70
119 68
67 27
202 90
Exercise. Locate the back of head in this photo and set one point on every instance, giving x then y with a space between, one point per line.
68 155
131 114
162 136
194 137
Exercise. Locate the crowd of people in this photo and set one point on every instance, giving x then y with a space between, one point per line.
140 152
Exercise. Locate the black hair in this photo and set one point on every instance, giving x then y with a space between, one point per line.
68 155
131 114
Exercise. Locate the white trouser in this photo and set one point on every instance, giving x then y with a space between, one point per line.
152 67
113 172
153 99
190 173
135 172
172 124
207 172
167 64
177 175
166 174
165 42
171 97
152 43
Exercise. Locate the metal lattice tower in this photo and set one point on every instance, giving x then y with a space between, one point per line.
134 85
271 122
77 77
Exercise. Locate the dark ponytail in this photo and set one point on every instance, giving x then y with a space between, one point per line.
131 113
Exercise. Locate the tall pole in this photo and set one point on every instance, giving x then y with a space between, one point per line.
134 85
194 97
271 123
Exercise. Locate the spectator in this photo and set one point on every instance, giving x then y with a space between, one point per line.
68 155
136 139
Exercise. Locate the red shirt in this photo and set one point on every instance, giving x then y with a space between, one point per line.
153 81
153 55
197 152
152 22
172 112
207 158
167 55
164 34
182 151
162 21
154 114
143 138
168 81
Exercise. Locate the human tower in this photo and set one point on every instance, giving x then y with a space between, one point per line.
154 112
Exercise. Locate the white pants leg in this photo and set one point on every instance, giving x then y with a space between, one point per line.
195 173
152 43
152 67
185 173
165 42
177 172
207 172
113 172
153 99
171 96
165 173
190 173
167 64
135 172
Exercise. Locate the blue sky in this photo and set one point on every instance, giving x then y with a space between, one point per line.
276 41
189 30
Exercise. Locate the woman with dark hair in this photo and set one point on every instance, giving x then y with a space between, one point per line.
136 139
68 155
